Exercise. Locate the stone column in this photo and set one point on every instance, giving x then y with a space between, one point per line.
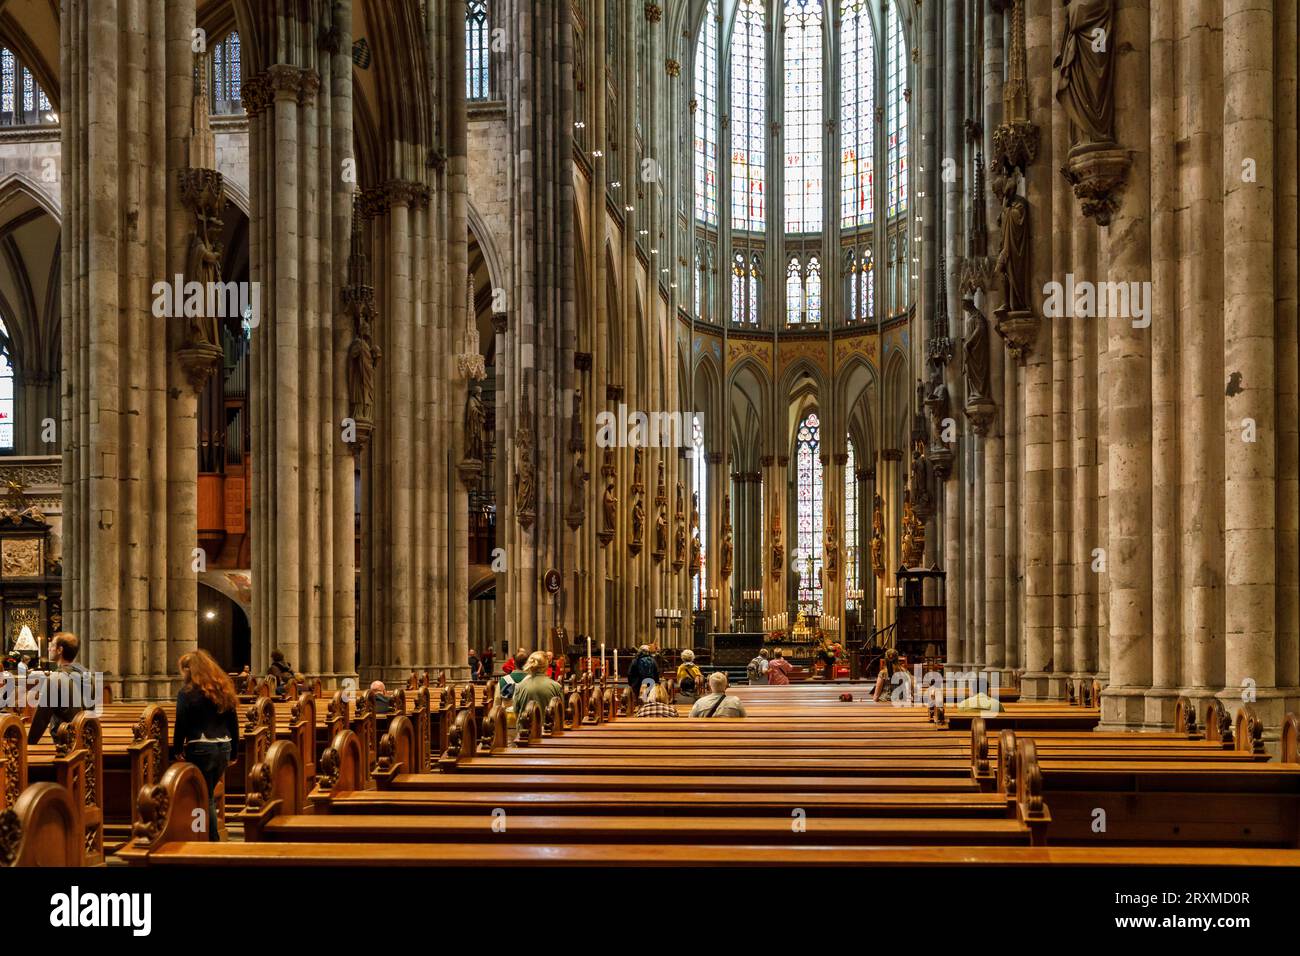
1249 329
1167 578
303 489
1129 389
1036 494
129 408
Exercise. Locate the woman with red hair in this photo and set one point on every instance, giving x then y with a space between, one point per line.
207 728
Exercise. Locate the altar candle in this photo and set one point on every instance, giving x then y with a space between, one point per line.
589 655
602 660
616 663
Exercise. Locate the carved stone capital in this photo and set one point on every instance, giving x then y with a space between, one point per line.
1098 173
200 361
1019 330
1015 144
470 471
980 413
256 94
470 366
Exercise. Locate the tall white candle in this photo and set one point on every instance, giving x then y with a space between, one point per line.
589 655
616 663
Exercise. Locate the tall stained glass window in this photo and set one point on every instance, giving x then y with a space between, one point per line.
896 111
6 392
706 118
851 518
808 520
478 50
857 115
699 485
793 293
225 75
22 101
747 117
802 124
813 292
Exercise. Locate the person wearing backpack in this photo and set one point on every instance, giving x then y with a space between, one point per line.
642 668
690 680
509 680
756 670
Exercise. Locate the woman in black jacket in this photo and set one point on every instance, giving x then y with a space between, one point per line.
207 725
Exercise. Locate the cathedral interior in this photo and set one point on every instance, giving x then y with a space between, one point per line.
387 332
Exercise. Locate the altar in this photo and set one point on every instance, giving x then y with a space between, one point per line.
729 648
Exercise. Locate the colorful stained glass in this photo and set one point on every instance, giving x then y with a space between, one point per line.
896 111
802 123
857 115
6 392
700 486
706 118
793 293
851 518
808 519
748 117
478 47
225 96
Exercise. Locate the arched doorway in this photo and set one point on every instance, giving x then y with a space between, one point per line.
224 631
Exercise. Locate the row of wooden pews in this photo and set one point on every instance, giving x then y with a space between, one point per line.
806 778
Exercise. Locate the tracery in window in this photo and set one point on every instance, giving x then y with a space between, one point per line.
225 75
747 117
478 50
896 111
802 122
857 115
808 521
706 119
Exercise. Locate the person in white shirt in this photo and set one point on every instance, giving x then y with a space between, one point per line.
716 703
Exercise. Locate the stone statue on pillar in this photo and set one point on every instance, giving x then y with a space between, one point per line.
728 555
1085 71
1085 86
830 548
363 359
525 468
918 482
778 549
878 536
679 547
475 419
1012 264
609 512
638 526
661 534
975 365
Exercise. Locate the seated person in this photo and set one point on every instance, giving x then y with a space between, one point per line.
982 702
536 686
513 676
690 679
716 703
67 691
887 664
654 701
280 670
382 700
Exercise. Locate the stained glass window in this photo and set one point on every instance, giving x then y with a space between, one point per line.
738 272
706 118
857 115
896 110
802 124
808 521
813 291
8 81
6 392
22 101
747 117
755 273
793 293
699 485
858 269
851 518
225 75
478 50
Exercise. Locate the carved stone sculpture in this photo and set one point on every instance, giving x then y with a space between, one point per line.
975 354
1085 71
475 419
638 526
610 508
525 469
661 534
363 359
1014 257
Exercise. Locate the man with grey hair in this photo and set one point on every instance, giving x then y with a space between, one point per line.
536 686
716 703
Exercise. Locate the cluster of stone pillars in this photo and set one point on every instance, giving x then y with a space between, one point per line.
1150 456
